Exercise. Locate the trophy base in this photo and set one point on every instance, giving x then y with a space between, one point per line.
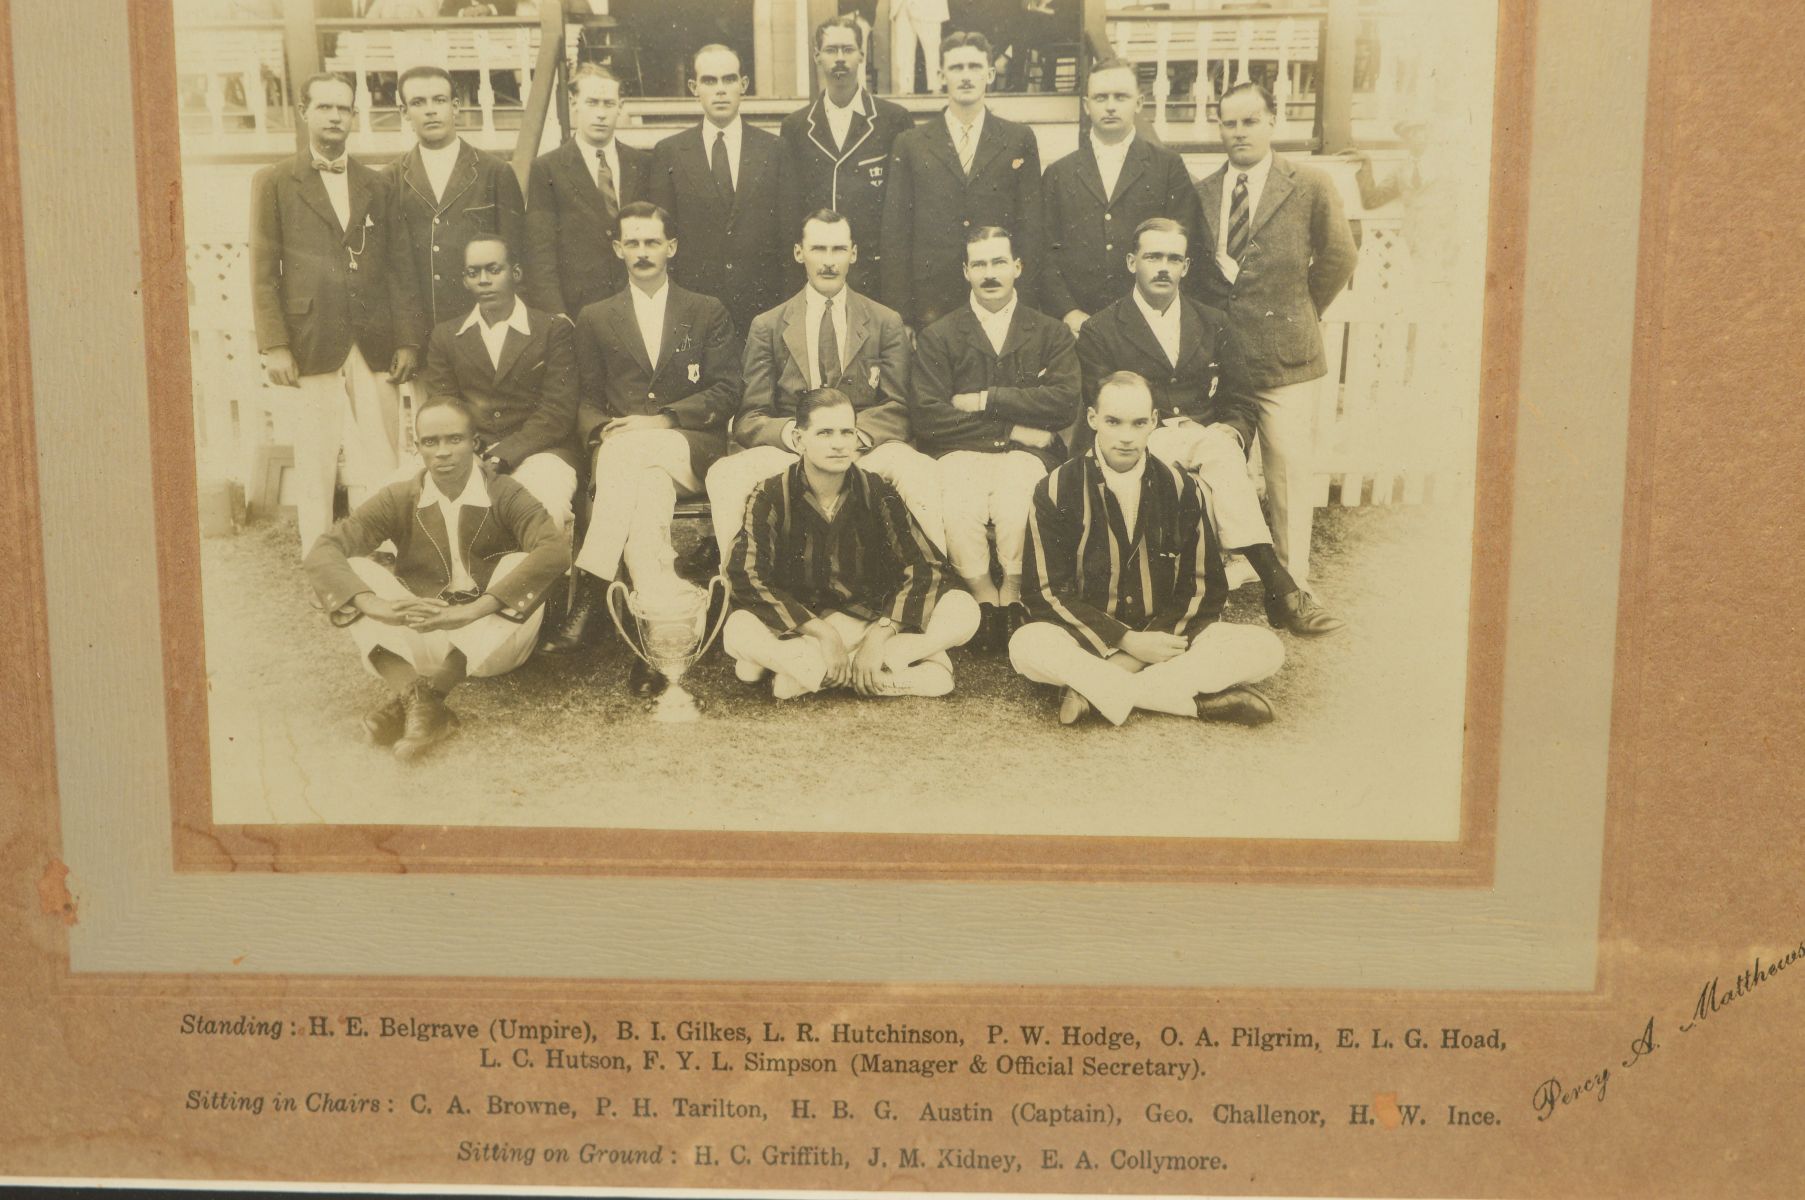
676 707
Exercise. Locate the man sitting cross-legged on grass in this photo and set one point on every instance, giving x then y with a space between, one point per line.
837 583
474 555
1124 581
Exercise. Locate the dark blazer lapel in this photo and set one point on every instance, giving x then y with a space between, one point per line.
307 182
1190 332
940 142
470 520
819 132
432 520
463 176
512 347
1089 172
621 312
795 330
413 174
991 142
472 354
1136 329
1279 185
858 326
864 120
358 187
1134 165
573 163
1210 195
1018 330
676 324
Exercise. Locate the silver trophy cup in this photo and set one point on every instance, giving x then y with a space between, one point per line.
670 631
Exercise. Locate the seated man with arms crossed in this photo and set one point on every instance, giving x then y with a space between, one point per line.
658 370
836 582
826 335
995 384
1124 582
1207 416
474 555
518 370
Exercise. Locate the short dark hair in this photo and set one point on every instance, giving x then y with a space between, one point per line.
811 402
959 39
325 77
983 233
446 400
645 210
423 71
826 216
843 21
1248 85
738 62
584 71
1110 64
1121 379
1161 225
500 239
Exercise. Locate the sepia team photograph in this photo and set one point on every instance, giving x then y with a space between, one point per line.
999 417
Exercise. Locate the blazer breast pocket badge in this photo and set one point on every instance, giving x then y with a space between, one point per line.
695 372
872 382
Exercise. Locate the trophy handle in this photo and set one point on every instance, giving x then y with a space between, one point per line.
720 620
617 595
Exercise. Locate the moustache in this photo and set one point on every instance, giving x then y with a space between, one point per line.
642 262
991 283
1162 278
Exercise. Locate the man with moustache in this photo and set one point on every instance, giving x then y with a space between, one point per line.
474 556
719 182
658 371
1124 581
574 196
446 190
1206 415
836 585
965 169
332 300
1278 251
994 386
517 368
1100 193
826 335
836 148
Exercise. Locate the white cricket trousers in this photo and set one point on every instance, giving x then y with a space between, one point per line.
1220 657
914 475
1287 439
351 409
552 482
492 645
637 479
977 489
1212 454
917 662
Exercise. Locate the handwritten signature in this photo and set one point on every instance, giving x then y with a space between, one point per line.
1553 1094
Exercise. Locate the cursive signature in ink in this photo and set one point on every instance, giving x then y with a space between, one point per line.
1552 1095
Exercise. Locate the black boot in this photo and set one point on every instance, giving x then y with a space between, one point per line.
585 610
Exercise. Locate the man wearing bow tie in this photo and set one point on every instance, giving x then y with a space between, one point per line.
330 294
1279 252
718 180
836 149
574 196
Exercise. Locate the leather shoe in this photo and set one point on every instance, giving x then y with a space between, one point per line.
428 723
1073 708
702 560
1300 614
993 629
385 724
1235 706
573 632
644 682
1014 617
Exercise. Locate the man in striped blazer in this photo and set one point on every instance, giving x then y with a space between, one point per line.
1124 581
836 582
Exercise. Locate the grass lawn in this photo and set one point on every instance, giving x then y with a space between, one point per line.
1367 743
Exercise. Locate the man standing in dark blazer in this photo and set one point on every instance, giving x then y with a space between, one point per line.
332 299
574 195
517 368
1097 196
719 182
445 190
826 335
965 168
1206 415
1124 582
837 149
1279 251
994 386
659 376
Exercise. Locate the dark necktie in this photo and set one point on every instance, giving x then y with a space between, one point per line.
604 180
828 346
717 160
1238 219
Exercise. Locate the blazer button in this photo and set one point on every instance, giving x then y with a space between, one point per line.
495 416
1109 216
730 266
1109 245
651 395
435 220
967 224
435 279
435 249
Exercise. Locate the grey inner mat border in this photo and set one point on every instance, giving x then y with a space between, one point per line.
1535 929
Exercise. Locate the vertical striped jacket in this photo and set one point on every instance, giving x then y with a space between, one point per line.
1085 570
790 564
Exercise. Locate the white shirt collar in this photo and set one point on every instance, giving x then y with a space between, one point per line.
474 495
816 301
995 324
1156 318
641 296
1256 174
516 319
732 129
1124 482
447 153
1106 152
954 125
856 104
